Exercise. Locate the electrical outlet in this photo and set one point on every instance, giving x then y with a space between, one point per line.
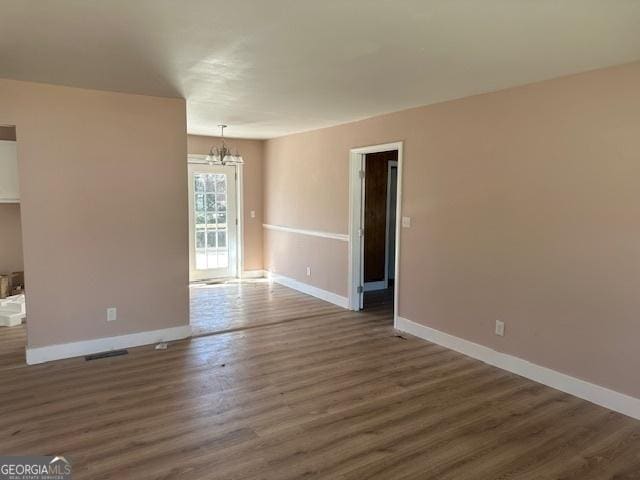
253 214
112 314
499 328
406 222
308 271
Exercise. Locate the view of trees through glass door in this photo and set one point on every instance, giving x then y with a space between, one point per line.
211 220
212 216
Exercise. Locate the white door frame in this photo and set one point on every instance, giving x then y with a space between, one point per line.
356 221
202 159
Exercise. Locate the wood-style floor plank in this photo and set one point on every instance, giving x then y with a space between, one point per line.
308 391
233 305
12 343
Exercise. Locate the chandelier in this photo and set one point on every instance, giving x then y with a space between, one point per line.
222 155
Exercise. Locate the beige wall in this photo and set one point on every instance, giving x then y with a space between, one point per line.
10 238
104 201
525 207
252 153
289 254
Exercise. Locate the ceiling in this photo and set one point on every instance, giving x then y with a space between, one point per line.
272 67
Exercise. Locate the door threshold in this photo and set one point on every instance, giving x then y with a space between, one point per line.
212 281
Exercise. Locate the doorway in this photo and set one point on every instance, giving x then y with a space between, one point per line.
379 201
213 222
13 329
375 201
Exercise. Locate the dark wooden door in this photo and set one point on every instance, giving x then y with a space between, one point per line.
375 213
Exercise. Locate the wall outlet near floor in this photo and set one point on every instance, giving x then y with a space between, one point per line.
112 314
499 328
308 271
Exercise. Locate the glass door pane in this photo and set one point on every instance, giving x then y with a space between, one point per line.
212 218
210 190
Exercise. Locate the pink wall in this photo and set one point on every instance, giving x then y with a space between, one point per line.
103 183
525 207
252 153
289 254
10 239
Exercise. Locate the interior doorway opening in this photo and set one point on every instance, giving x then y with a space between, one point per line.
13 329
380 201
216 247
374 233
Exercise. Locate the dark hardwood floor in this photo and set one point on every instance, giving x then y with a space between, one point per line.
338 395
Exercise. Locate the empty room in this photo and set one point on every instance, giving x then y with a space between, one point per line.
284 239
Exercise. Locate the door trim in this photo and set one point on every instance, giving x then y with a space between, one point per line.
239 171
240 217
356 204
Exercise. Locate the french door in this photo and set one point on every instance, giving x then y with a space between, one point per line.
213 229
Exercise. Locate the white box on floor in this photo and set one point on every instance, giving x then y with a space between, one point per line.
12 311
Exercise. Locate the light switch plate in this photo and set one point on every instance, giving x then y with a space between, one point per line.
406 222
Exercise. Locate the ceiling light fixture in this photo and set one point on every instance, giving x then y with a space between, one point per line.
222 155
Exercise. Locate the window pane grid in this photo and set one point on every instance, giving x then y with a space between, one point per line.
210 196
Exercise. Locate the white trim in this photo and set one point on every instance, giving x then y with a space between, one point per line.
396 275
310 290
356 192
593 393
240 217
356 251
361 232
201 159
372 286
384 147
196 158
313 233
98 345
253 274
390 166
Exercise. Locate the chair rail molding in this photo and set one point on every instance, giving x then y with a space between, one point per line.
313 233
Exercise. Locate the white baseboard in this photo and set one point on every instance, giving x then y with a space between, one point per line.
98 345
253 274
593 393
310 290
372 286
